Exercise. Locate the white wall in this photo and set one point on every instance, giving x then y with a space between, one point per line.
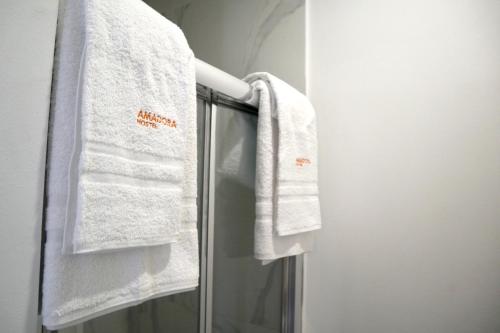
408 96
27 32
241 37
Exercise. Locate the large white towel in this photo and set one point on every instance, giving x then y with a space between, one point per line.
77 287
286 185
134 105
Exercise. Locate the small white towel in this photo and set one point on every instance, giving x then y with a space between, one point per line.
286 185
78 287
135 105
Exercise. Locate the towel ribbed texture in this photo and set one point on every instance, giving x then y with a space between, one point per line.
133 98
286 184
121 172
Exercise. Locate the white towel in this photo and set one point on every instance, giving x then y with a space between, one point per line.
78 287
287 204
135 104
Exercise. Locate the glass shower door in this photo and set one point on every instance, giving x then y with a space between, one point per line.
247 295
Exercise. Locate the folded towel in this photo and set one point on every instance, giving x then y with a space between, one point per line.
287 205
135 106
78 287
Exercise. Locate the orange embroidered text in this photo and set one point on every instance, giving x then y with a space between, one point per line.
153 120
301 161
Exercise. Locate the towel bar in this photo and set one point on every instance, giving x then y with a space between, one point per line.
221 81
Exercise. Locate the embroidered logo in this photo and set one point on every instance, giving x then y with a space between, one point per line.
301 161
153 120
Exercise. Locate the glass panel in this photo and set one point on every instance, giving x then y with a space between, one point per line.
246 294
176 313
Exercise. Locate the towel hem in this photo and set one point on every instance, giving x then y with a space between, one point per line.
119 245
283 231
118 306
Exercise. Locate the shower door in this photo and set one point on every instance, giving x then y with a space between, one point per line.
247 295
242 295
237 294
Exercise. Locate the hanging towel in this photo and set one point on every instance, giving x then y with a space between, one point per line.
134 104
286 185
77 287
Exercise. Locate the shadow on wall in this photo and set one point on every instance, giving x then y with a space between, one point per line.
241 37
